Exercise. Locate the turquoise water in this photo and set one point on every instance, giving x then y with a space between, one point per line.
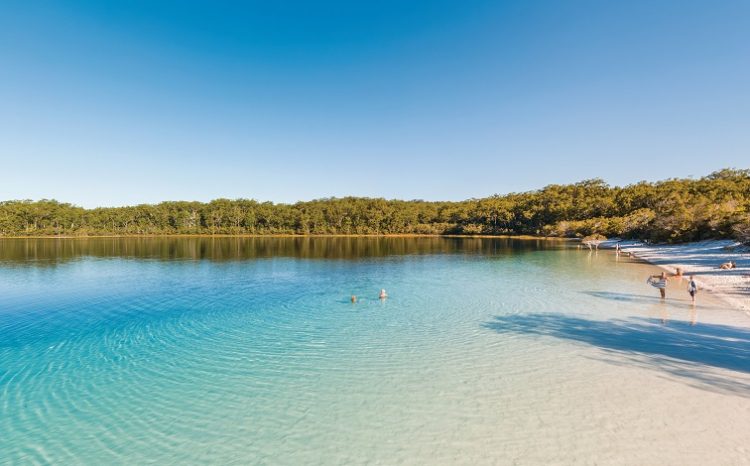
230 350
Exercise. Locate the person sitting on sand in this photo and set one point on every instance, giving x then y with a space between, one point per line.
383 294
659 281
728 265
692 289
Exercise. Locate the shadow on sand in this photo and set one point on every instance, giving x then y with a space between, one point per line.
695 354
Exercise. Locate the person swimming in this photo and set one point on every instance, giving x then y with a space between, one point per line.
383 294
354 299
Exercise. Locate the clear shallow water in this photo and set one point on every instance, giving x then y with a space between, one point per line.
195 350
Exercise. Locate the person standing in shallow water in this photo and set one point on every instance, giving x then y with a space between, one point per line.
383 294
659 281
692 289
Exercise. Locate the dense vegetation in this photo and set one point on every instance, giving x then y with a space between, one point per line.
715 206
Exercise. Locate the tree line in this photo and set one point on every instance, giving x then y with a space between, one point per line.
674 210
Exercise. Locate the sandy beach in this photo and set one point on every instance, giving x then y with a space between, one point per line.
702 259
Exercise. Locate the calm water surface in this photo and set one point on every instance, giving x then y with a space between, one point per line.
248 350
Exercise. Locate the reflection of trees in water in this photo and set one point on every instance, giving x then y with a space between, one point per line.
54 250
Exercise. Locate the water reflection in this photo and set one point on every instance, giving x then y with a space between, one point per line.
54 250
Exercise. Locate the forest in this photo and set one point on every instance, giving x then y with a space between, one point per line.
673 210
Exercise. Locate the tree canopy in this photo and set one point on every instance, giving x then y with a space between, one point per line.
674 210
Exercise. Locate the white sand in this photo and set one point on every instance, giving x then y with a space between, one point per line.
702 259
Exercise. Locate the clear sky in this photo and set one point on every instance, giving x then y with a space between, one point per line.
114 103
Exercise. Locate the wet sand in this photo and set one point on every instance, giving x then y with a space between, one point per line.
702 259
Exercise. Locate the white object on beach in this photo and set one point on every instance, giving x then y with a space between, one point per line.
656 283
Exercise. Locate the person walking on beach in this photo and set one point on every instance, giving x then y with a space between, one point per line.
692 289
659 281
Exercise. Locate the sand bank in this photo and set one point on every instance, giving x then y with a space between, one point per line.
702 259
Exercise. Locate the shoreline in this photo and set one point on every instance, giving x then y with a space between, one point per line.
701 259
698 258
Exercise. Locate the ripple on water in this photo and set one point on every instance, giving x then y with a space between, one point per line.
191 362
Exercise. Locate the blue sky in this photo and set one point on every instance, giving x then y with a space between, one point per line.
115 103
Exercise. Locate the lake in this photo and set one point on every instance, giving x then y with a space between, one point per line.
249 350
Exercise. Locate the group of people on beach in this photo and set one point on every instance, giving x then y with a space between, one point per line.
660 282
